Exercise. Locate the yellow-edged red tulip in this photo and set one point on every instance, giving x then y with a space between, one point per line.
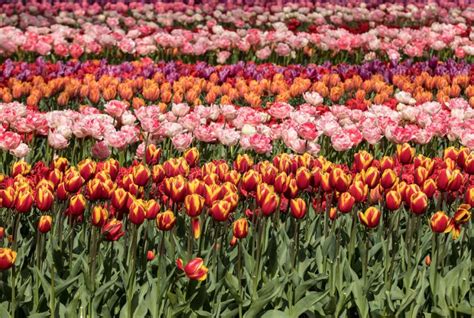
451 152
393 200
370 218
359 190
420 174
250 180
439 222
233 176
44 199
303 178
152 207
240 228
362 160
152 154
55 176
119 198
456 181
24 201
405 153
73 181
165 221
387 163
281 182
339 180
469 196
444 178
196 227
462 214
7 258
7 197
191 156
61 163
87 168
99 216
158 173
61 193
136 213
141 175
194 270
220 210
45 223
298 208
233 199
20 167
270 203
371 177
418 202
243 163
194 203
345 202
468 162
77 204
212 193
196 186
388 179
429 187
269 173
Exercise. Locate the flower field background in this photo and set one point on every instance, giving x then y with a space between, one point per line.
227 160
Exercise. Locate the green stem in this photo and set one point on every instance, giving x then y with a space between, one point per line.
131 262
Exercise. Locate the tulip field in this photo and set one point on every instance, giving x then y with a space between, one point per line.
226 159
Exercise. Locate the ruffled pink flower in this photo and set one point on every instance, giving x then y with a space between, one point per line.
9 140
179 110
100 150
260 143
57 141
21 151
341 141
280 110
115 108
308 131
182 141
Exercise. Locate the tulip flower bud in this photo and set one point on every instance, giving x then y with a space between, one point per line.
77 205
269 173
141 175
409 191
2 232
298 208
45 223
292 190
428 260
194 203
112 167
24 201
165 220
325 183
233 176
196 227
178 189
281 182
439 222
7 258
152 154
210 178
418 202
191 156
194 270
233 199
241 228
112 230
20 168
370 218
468 163
405 153
55 176
150 255
362 160
345 202
99 216
136 213
332 214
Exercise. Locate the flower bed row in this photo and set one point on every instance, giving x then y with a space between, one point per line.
308 127
241 226
49 87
